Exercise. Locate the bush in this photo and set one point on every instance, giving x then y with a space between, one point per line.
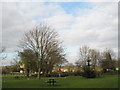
88 72
111 72
64 74
78 73
53 74
60 74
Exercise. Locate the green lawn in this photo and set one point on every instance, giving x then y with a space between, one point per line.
110 81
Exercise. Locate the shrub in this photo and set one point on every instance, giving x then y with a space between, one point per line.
78 73
111 72
54 74
70 73
89 72
59 74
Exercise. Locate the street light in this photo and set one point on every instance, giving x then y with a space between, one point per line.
88 62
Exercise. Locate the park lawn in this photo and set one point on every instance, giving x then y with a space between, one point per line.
109 81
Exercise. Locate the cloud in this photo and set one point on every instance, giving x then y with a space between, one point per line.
14 24
95 27
39 11
100 25
60 22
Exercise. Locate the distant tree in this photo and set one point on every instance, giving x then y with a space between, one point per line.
5 70
10 69
108 62
15 63
84 54
78 63
88 59
94 57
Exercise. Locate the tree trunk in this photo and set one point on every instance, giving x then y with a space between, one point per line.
38 73
38 67
27 73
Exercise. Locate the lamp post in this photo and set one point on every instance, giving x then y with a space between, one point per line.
88 62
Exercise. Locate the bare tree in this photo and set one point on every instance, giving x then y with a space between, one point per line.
43 41
94 57
79 63
55 56
84 54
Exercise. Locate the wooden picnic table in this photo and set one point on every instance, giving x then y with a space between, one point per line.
51 82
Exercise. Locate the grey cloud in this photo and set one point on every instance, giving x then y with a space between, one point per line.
96 29
14 25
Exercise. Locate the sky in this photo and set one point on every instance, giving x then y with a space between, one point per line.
94 24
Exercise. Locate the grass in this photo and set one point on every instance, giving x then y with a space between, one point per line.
109 81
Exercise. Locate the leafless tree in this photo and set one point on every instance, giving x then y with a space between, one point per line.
43 41
79 63
84 54
94 57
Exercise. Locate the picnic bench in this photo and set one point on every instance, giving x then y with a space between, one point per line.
51 82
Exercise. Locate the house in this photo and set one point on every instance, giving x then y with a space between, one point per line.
65 69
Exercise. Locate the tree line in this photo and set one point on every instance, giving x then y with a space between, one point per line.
105 59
